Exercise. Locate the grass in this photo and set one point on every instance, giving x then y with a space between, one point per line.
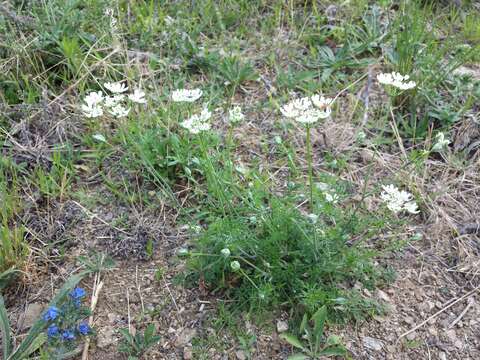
295 213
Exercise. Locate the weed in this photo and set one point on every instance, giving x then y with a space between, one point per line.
135 345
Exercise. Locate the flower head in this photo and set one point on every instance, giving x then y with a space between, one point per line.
68 335
185 95
53 331
119 111
225 252
116 87
397 80
77 293
138 96
308 110
51 313
441 142
397 200
198 122
94 98
92 111
296 107
235 265
111 101
84 328
312 115
235 115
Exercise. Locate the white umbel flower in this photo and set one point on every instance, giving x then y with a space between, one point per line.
397 200
225 252
138 96
235 115
92 111
321 102
94 98
397 80
119 111
441 142
296 107
116 88
198 122
111 101
185 95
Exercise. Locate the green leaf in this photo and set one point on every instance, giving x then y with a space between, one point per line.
334 351
297 357
292 340
37 328
303 324
5 328
319 323
35 345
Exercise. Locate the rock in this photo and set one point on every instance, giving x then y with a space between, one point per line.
411 336
185 337
187 353
32 314
442 356
240 354
282 326
106 337
383 296
371 343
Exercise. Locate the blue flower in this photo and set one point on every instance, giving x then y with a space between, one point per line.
83 329
52 330
51 313
68 335
77 293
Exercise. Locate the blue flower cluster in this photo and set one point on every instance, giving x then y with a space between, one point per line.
70 333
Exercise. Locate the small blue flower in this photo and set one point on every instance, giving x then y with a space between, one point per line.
83 329
68 335
52 330
51 313
77 293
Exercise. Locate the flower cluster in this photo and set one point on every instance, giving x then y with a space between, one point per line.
398 200
65 322
185 95
96 102
198 122
235 115
308 110
440 143
397 80
329 193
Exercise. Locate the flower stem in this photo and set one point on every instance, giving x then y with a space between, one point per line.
310 166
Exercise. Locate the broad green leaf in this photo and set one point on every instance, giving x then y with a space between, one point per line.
334 351
318 325
35 345
297 357
303 324
5 329
292 340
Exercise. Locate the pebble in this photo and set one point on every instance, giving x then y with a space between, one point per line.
185 337
372 343
282 326
240 354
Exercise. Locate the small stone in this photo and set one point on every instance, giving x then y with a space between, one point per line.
32 314
240 354
106 337
409 320
185 337
411 336
187 353
383 296
282 326
371 343
442 356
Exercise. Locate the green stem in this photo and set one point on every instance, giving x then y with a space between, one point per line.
310 166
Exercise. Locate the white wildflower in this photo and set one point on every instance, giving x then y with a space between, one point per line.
397 200
225 252
138 96
235 115
116 88
198 122
235 265
331 197
441 142
296 107
185 95
397 80
321 102
111 101
303 110
94 98
119 111
312 115
92 111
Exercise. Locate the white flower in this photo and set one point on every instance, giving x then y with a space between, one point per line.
116 88
185 95
92 111
397 200
441 142
296 107
397 80
331 197
119 111
235 115
235 265
138 96
312 115
198 123
94 98
111 101
225 252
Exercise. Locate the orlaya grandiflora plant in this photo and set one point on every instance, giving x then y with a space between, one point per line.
308 111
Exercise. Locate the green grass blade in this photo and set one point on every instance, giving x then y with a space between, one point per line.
5 328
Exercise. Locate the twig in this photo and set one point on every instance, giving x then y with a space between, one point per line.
470 302
97 287
472 228
438 313
138 289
